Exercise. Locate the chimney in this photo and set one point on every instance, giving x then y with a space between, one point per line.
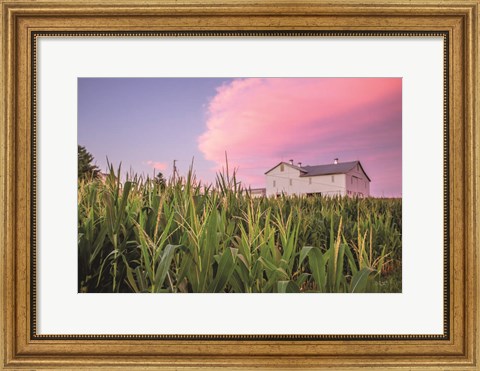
299 164
291 161
335 161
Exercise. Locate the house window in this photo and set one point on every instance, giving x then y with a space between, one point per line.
274 183
333 178
309 180
282 167
290 182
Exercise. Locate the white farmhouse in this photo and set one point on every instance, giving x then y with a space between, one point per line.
338 178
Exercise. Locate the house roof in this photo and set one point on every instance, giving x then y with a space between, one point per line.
339 168
328 169
288 164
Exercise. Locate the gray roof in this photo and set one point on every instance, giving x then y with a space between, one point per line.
316 170
338 168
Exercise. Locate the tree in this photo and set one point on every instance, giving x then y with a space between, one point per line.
160 180
86 169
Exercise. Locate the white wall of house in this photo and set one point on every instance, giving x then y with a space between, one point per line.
287 181
258 192
357 183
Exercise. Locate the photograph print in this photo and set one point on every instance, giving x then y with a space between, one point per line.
240 185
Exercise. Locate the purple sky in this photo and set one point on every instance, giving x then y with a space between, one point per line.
147 123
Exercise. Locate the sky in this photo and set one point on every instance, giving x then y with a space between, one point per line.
147 123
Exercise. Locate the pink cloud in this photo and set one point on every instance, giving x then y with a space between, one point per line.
157 165
262 121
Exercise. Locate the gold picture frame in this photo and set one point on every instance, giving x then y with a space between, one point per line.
24 21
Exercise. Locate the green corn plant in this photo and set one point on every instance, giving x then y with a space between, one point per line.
327 268
137 236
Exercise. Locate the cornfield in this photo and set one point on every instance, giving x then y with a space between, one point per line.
140 236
